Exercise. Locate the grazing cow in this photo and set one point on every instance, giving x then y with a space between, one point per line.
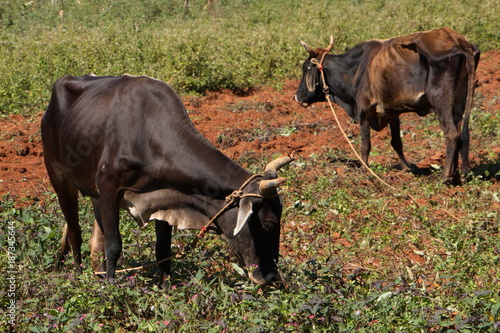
127 142
378 80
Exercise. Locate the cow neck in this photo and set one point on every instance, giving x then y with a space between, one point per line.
224 176
224 171
341 73
206 169
220 189
197 183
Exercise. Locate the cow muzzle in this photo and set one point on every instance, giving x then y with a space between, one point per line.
304 104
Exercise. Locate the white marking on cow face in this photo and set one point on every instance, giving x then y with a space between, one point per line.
244 214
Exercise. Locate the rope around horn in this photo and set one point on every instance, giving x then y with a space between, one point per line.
231 199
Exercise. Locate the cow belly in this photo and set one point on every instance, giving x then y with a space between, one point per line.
411 102
416 102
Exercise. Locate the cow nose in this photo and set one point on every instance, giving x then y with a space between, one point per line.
301 103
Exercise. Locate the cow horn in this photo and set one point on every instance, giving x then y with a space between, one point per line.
268 187
310 50
330 46
278 163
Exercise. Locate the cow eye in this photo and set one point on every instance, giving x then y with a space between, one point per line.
269 225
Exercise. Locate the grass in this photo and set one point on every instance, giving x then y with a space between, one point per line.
353 260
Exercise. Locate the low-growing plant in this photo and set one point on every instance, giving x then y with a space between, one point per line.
201 48
345 265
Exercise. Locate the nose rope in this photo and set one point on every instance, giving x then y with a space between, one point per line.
319 65
231 199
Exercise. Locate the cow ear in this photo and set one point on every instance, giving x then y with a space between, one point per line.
244 213
311 80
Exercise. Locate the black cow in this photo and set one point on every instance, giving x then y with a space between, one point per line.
128 142
378 80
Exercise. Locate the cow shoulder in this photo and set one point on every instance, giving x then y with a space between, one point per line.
368 55
353 69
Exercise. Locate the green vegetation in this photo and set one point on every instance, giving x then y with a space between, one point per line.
233 44
354 259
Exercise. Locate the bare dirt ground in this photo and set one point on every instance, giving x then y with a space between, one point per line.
262 121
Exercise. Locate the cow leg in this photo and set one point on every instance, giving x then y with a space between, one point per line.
397 144
453 143
97 241
64 248
450 173
462 141
459 106
465 130
109 225
364 127
446 93
465 151
72 233
163 243
448 123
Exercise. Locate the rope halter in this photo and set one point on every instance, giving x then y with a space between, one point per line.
314 53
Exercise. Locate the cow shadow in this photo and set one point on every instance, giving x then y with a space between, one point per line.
182 270
485 169
419 170
354 163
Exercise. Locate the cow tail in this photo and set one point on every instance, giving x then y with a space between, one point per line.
465 138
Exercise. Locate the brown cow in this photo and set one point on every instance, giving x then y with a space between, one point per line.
378 80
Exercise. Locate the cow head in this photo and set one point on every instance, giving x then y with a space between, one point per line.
310 88
254 239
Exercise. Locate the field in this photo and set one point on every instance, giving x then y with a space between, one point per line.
355 255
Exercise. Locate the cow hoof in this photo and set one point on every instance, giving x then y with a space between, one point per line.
452 180
257 277
79 268
416 170
164 282
59 266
